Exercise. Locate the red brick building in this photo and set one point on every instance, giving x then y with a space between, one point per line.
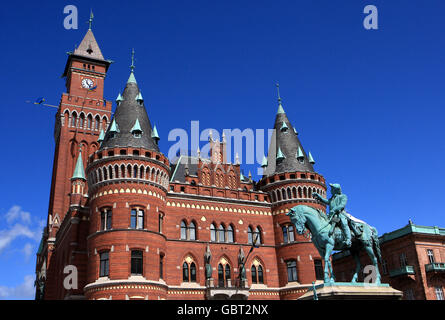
413 261
135 226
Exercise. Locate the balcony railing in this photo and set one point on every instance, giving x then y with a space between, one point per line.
406 270
435 267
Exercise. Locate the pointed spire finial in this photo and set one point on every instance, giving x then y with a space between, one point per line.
278 91
132 60
90 21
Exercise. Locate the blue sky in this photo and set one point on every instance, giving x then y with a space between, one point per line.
368 104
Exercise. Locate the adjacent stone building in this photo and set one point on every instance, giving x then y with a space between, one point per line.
413 261
132 225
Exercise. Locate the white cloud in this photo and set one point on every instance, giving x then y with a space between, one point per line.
20 229
16 213
28 250
23 291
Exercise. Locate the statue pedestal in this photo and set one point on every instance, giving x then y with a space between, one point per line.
352 291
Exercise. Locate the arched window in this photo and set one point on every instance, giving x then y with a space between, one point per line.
289 195
283 192
257 236
105 174
249 235
257 274
230 237
81 120
189 271
192 231
212 232
135 171
185 272
110 172
123 174
183 230
223 275
74 119
96 122
116 171
89 121
221 234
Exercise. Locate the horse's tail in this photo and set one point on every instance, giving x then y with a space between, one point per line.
376 243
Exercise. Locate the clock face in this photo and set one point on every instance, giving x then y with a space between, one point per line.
87 83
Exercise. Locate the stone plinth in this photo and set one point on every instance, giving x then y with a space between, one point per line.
352 291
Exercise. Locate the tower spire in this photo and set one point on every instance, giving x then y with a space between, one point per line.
90 21
132 79
132 60
79 172
280 107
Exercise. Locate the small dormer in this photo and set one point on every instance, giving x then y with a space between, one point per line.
284 127
139 98
300 155
136 131
280 155
154 134
114 128
119 99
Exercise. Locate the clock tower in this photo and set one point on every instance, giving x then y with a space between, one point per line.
82 115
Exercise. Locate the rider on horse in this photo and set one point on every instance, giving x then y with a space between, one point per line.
338 215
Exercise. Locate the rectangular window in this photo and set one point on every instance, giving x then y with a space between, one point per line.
105 219
137 219
161 267
403 260
104 264
431 256
439 293
136 262
291 271
319 273
161 222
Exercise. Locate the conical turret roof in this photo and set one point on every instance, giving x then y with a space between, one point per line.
128 112
79 171
286 153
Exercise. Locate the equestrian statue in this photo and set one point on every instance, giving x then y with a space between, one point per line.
337 231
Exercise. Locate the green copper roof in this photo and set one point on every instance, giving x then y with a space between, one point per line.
300 153
40 249
280 154
154 133
136 126
295 131
79 172
280 109
101 136
241 176
131 79
119 98
264 163
311 160
114 127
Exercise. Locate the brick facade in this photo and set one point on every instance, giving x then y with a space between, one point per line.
139 180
